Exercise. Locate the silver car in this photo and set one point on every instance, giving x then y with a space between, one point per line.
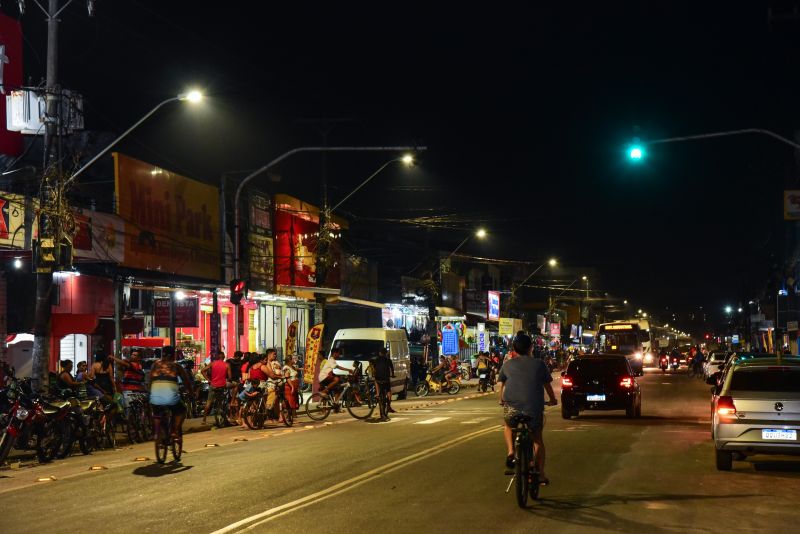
756 410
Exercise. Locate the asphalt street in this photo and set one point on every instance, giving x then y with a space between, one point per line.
436 466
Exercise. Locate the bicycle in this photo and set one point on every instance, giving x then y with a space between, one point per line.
525 473
163 437
139 420
319 405
360 397
221 406
255 411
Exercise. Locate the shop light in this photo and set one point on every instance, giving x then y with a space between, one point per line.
17 263
180 295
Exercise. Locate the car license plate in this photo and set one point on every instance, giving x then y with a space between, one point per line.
768 433
482 375
595 398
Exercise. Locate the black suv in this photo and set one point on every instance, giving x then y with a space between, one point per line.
600 382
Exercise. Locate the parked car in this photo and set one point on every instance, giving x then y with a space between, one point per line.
756 409
714 362
600 382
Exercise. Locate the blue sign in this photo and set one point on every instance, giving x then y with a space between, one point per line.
449 340
482 342
735 339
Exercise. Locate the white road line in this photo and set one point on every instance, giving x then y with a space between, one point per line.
341 487
474 421
392 420
431 421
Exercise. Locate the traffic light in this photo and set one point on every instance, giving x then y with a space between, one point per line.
708 336
238 290
636 151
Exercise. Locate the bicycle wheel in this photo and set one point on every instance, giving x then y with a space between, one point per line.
360 404
146 422
533 486
132 424
177 447
249 412
521 468
161 440
286 413
318 406
220 411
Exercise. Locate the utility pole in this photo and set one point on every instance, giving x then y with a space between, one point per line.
47 230
54 213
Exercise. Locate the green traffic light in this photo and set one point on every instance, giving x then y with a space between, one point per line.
636 153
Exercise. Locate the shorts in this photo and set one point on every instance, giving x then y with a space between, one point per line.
325 383
512 417
383 385
177 409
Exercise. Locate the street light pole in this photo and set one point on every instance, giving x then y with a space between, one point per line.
268 166
407 159
726 133
192 96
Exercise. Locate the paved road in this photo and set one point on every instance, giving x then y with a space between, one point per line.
431 468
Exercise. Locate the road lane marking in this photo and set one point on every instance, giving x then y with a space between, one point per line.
431 421
474 421
392 420
337 489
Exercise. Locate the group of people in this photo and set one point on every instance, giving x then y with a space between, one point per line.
249 375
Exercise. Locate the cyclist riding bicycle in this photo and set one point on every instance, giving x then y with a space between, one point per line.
523 381
164 391
328 380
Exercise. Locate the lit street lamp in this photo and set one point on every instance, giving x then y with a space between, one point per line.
268 166
193 97
407 160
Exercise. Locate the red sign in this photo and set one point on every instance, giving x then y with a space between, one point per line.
555 329
214 333
186 312
10 78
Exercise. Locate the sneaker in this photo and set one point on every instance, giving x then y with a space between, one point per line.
391 410
510 461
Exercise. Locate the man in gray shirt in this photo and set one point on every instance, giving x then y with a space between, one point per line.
523 381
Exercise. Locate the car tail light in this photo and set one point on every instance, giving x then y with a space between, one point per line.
626 382
566 382
725 406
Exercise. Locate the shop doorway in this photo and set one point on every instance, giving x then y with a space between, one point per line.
74 347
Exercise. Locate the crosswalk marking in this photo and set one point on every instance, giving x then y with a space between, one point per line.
431 421
392 420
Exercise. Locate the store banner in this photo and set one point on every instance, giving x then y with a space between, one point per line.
313 346
186 312
555 329
171 222
213 335
506 326
493 303
12 221
449 340
291 339
99 237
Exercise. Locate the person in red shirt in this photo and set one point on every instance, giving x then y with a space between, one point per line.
218 375
132 377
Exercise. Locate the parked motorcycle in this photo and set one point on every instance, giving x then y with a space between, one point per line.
29 425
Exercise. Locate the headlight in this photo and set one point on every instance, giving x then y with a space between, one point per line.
22 414
638 355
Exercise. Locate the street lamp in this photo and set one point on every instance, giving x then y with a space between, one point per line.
552 262
728 309
268 166
193 96
407 160
480 233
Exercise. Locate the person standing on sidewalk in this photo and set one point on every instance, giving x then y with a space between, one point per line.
218 374
383 370
132 377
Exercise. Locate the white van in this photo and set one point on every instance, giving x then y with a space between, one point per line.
362 344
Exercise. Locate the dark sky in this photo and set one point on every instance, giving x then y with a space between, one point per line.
526 112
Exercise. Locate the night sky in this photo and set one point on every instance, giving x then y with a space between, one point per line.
526 113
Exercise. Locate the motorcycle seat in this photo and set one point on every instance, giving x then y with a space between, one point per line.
55 405
88 404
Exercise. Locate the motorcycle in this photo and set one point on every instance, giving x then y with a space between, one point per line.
29 425
485 380
429 385
664 363
675 363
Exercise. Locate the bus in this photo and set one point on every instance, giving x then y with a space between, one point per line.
631 338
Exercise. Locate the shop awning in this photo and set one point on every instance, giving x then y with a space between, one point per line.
63 324
357 302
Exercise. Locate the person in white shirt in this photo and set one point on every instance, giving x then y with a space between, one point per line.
328 380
